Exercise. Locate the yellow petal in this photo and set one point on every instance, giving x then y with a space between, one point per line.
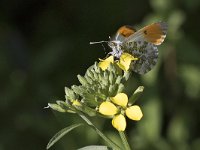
107 108
119 122
127 57
76 103
125 61
134 112
120 99
103 64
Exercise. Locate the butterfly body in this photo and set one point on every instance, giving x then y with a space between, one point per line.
141 44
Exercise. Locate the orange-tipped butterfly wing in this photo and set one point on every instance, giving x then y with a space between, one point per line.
154 33
141 44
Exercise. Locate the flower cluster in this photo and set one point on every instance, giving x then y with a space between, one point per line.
117 106
101 92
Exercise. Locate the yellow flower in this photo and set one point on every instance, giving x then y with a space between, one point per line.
134 112
103 64
107 108
125 61
119 122
76 103
120 99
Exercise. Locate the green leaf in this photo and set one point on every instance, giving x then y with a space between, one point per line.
95 147
66 106
63 104
111 77
60 134
106 74
120 88
118 80
90 99
91 112
82 80
116 69
56 107
89 79
79 89
127 75
100 95
104 81
136 95
113 90
70 94
97 69
90 73
95 75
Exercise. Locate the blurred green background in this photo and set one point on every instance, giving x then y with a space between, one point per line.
44 44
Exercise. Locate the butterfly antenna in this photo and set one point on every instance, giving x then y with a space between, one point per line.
99 42
104 49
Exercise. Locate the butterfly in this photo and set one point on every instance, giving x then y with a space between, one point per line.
142 44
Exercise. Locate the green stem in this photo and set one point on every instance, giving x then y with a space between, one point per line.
110 143
124 140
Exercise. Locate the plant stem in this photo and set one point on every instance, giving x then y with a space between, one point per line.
110 143
124 140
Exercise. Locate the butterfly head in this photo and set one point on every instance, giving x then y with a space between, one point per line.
115 45
117 40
